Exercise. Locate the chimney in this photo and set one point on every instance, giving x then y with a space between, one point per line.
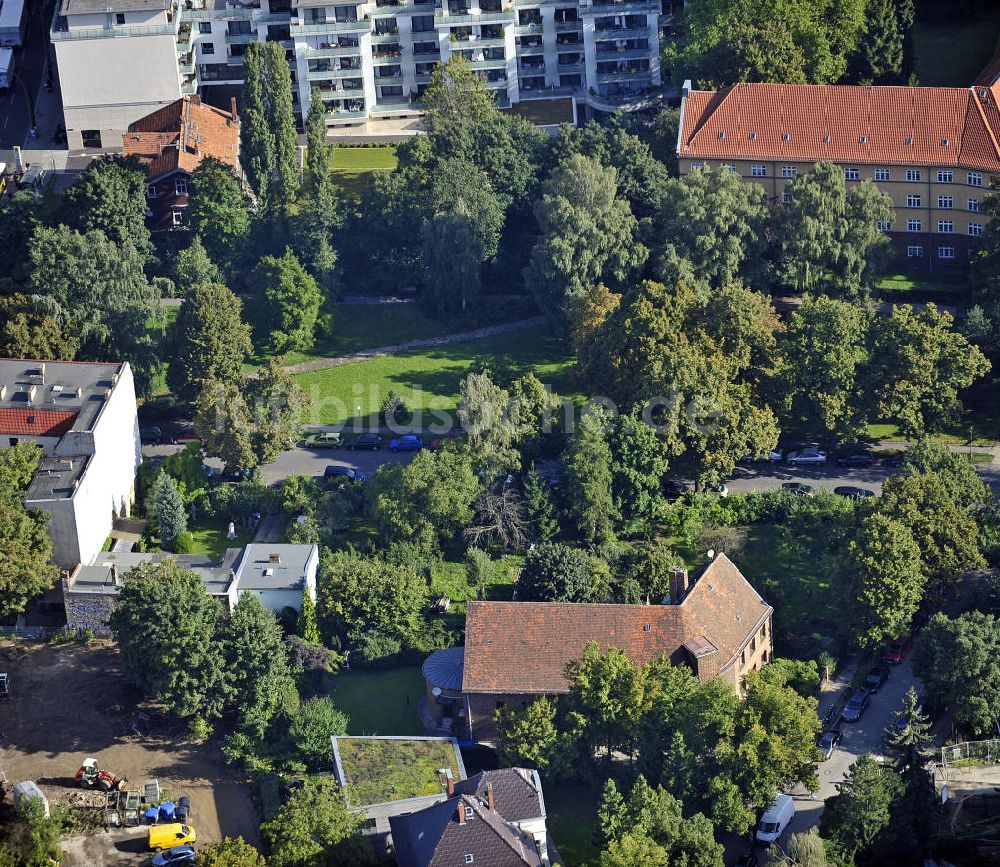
116 578
686 89
41 368
678 584
489 796
451 786
232 108
461 812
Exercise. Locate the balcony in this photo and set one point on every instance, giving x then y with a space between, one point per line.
183 38
489 64
240 38
339 51
563 26
331 73
629 75
59 33
506 17
622 33
222 72
626 8
528 30
362 26
623 54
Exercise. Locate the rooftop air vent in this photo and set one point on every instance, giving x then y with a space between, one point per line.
945 142
722 134
909 140
826 139
785 136
647 627
753 136
863 139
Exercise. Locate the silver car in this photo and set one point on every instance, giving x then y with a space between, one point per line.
807 456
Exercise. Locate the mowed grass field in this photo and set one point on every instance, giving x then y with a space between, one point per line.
381 702
952 54
429 378
351 167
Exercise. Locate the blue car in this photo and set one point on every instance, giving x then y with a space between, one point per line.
177 855
406 443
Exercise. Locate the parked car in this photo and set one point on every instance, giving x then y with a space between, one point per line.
856 706
323 440
365 441
177 855
851 491
776 818
798 488
442 440
336 470
406 443
857 459
895 460
896 652
152 434
721 490
184 432
774 456
807 456
876 677
829 741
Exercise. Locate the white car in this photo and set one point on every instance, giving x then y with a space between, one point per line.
774 456
807 456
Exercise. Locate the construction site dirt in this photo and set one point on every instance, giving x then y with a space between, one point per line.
72 702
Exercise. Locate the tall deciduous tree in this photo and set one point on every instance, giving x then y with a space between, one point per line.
287 302
831 237
918 365
257 139
20 214
886 582
166 627
310 826
230 852
451 258
26 333
219 212
637 483
257 663
587 477
192 266
861 810
556 573
317 720
110 196
210 341
589 235
531 738
716 221
957 472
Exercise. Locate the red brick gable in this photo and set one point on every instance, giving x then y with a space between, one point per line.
35 422
523 647
931 126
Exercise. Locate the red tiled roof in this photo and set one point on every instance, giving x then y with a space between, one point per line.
523 647
181 135
931 126
35 422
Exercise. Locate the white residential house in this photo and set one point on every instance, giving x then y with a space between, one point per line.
371 59
83 415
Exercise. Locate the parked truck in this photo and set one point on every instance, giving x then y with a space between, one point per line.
6 68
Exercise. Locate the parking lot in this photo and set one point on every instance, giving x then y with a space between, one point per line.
71 702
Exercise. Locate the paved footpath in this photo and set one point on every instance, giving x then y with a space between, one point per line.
476 334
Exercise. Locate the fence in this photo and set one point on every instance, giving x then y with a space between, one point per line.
971 754
38 632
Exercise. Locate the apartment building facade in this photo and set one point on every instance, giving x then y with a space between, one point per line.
933 150
371 60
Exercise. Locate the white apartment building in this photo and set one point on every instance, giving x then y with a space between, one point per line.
83 415
371 60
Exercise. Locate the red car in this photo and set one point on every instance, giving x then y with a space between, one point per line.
896 652
443 440
184 432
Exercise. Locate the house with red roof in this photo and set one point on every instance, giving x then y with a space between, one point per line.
83 416
713 621
171 143
933 150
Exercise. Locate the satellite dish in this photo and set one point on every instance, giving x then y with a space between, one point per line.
436 691
711 554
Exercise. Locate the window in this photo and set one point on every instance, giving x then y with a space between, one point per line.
207 48
882 175
946 202
469 859
204 26
913 174
743 659
914 225
885 225
728 167
178 216
151 192
119 18
975 229
391 90
785 198
763 632
180 186
789 171
852 175
91 138
945 177
913 201
975 179
753 644
946 226
500 704
946 252
974 205
696 166
14 441
914 251
758 171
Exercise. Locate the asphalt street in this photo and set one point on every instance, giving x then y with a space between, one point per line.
15 112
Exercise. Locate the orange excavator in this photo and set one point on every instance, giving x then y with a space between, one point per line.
90 776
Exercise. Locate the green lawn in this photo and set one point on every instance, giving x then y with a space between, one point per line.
210 538
952 55
572 815
945 285
381 702
351 167
357 327
984 432
429 378
451 580
158 329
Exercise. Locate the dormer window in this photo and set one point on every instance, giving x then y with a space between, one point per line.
722 135
469 814
785 136
151 192
753 136
863 139
180 186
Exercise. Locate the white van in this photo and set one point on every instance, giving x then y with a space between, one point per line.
776 818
